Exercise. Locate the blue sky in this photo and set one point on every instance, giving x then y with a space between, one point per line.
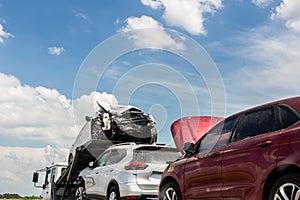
171 58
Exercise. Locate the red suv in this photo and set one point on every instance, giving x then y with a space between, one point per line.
254 154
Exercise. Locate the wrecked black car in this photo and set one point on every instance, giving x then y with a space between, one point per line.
119 124
124 124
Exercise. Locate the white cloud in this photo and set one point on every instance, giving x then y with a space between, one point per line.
56 50
17 165
288 10
262 3
154 4
41 115
268 67
82 16
34 113
147 32
4 34
187 14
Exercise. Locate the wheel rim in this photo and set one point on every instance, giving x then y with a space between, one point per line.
80 193
288 191
170 194
112 196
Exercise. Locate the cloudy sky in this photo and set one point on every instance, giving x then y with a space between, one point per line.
171 58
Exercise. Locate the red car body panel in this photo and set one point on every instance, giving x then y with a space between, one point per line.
241 169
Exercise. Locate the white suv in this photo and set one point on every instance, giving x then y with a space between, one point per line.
127 171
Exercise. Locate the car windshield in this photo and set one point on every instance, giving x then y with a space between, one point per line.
157 155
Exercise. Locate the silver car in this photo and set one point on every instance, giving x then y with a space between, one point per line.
126 171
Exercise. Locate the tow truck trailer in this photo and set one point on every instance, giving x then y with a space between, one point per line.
62 180
113 126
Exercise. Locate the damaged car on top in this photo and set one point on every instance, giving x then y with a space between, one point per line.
116 124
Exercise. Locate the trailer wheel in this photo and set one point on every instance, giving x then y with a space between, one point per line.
80 193
113 193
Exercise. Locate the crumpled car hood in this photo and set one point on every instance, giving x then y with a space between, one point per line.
191 129
126 123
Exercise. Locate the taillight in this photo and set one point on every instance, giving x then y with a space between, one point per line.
131 198
136 165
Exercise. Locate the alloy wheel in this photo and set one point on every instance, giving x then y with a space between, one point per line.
112 196
170 194
288 191
80 193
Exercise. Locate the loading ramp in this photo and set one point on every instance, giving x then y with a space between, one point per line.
66 184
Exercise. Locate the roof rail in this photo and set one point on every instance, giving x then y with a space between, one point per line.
124 143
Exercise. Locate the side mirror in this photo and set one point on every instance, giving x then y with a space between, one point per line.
35 177
189 148
169 162
91 164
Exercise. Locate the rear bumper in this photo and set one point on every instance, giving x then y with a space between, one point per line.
132 189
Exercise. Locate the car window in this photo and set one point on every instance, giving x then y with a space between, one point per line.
287 115
256 123
156 155
95 129
218 136
211 138
226 132
102 160
115 156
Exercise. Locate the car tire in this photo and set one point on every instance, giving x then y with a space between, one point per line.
113 193
80 193
288 186
170 191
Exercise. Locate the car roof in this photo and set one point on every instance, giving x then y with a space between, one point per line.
293 102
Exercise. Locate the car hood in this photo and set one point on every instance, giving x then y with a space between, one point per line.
191 129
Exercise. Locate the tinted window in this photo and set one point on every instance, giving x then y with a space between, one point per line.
155 155
211 138
218 136
111 157
95 129
288 116
226 132
115 156
256 123
101 161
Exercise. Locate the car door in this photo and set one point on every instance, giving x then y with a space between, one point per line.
251 155
108 170
94 182
203 177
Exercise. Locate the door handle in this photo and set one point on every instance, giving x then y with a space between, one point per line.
214 154
266 143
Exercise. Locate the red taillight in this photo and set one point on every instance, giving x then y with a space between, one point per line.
136 165
131 198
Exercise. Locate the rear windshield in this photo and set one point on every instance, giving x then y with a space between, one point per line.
159 155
